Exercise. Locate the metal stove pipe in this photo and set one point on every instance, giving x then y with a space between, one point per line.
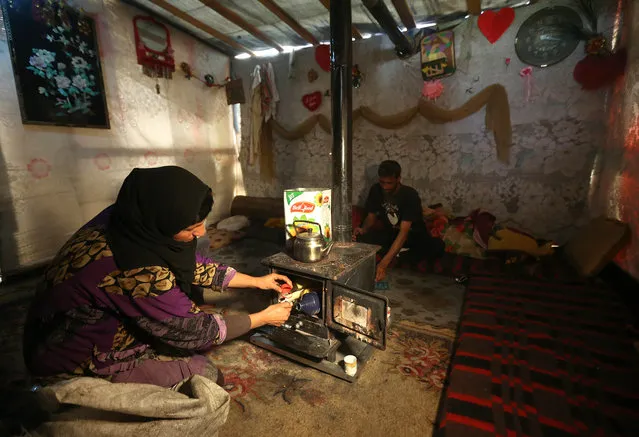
403 46
341 116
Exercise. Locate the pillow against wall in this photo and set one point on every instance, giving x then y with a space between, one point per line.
459 240
596 244
511 239
257 208
234 223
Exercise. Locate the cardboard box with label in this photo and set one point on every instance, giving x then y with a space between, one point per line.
308 208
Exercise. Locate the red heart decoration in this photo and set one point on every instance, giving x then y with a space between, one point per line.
312 101
323 56
493 24
594 72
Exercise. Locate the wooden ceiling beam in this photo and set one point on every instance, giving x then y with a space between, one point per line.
405 14
234 18
290 21
474 7
354 30
189 19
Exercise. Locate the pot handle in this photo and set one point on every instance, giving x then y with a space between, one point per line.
289 232
307 222
327 250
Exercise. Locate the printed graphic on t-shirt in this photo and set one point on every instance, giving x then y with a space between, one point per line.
392 212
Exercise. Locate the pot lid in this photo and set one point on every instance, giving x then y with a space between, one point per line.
309 235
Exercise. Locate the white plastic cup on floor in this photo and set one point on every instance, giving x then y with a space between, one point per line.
350 365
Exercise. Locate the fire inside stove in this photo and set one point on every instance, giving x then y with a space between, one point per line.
349 314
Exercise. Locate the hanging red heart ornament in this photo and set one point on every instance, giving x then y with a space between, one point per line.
323 56
594 72
312 101
494 24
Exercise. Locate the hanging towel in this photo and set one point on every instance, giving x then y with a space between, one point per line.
270 111
255 116
270 98
267 95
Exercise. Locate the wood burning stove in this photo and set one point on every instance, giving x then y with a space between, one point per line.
351 321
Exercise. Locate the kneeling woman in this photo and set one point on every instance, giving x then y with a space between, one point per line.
115 302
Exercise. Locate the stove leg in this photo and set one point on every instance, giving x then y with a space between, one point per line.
332 355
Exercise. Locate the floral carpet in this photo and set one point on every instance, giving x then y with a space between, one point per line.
396 394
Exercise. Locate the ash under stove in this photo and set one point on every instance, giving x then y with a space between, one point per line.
352 319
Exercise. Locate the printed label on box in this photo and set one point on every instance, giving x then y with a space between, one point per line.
308 209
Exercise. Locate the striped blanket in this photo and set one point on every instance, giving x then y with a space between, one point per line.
537 358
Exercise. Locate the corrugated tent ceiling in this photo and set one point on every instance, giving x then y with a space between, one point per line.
249 26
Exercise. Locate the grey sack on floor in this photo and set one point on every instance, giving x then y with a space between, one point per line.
93 407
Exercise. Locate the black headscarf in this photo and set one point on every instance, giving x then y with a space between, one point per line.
153 205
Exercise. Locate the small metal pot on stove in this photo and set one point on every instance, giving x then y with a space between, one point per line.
308 246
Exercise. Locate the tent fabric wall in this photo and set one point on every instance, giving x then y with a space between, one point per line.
614 187
556 132
54 179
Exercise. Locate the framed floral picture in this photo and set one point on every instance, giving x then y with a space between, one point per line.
56 64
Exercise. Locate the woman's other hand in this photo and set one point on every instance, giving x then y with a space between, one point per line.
272 282
274 315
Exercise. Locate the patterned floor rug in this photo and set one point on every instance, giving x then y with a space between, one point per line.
397 393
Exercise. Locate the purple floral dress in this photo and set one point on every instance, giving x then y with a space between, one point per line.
90 319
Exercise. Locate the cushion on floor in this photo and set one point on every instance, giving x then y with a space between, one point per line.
596 244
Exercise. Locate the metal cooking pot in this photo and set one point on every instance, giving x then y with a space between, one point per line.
309 246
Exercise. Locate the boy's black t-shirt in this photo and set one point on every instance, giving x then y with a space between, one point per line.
392 209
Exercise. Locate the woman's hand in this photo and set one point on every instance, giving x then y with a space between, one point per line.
274 315
272 282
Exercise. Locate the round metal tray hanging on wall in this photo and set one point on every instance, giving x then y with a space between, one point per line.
548 36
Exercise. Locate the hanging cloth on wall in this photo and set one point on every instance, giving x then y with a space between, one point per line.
267 95
493 97
270 99
269 106
256 115
264 99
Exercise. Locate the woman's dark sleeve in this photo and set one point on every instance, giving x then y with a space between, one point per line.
237 325
149 298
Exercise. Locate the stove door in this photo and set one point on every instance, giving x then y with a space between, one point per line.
359 313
